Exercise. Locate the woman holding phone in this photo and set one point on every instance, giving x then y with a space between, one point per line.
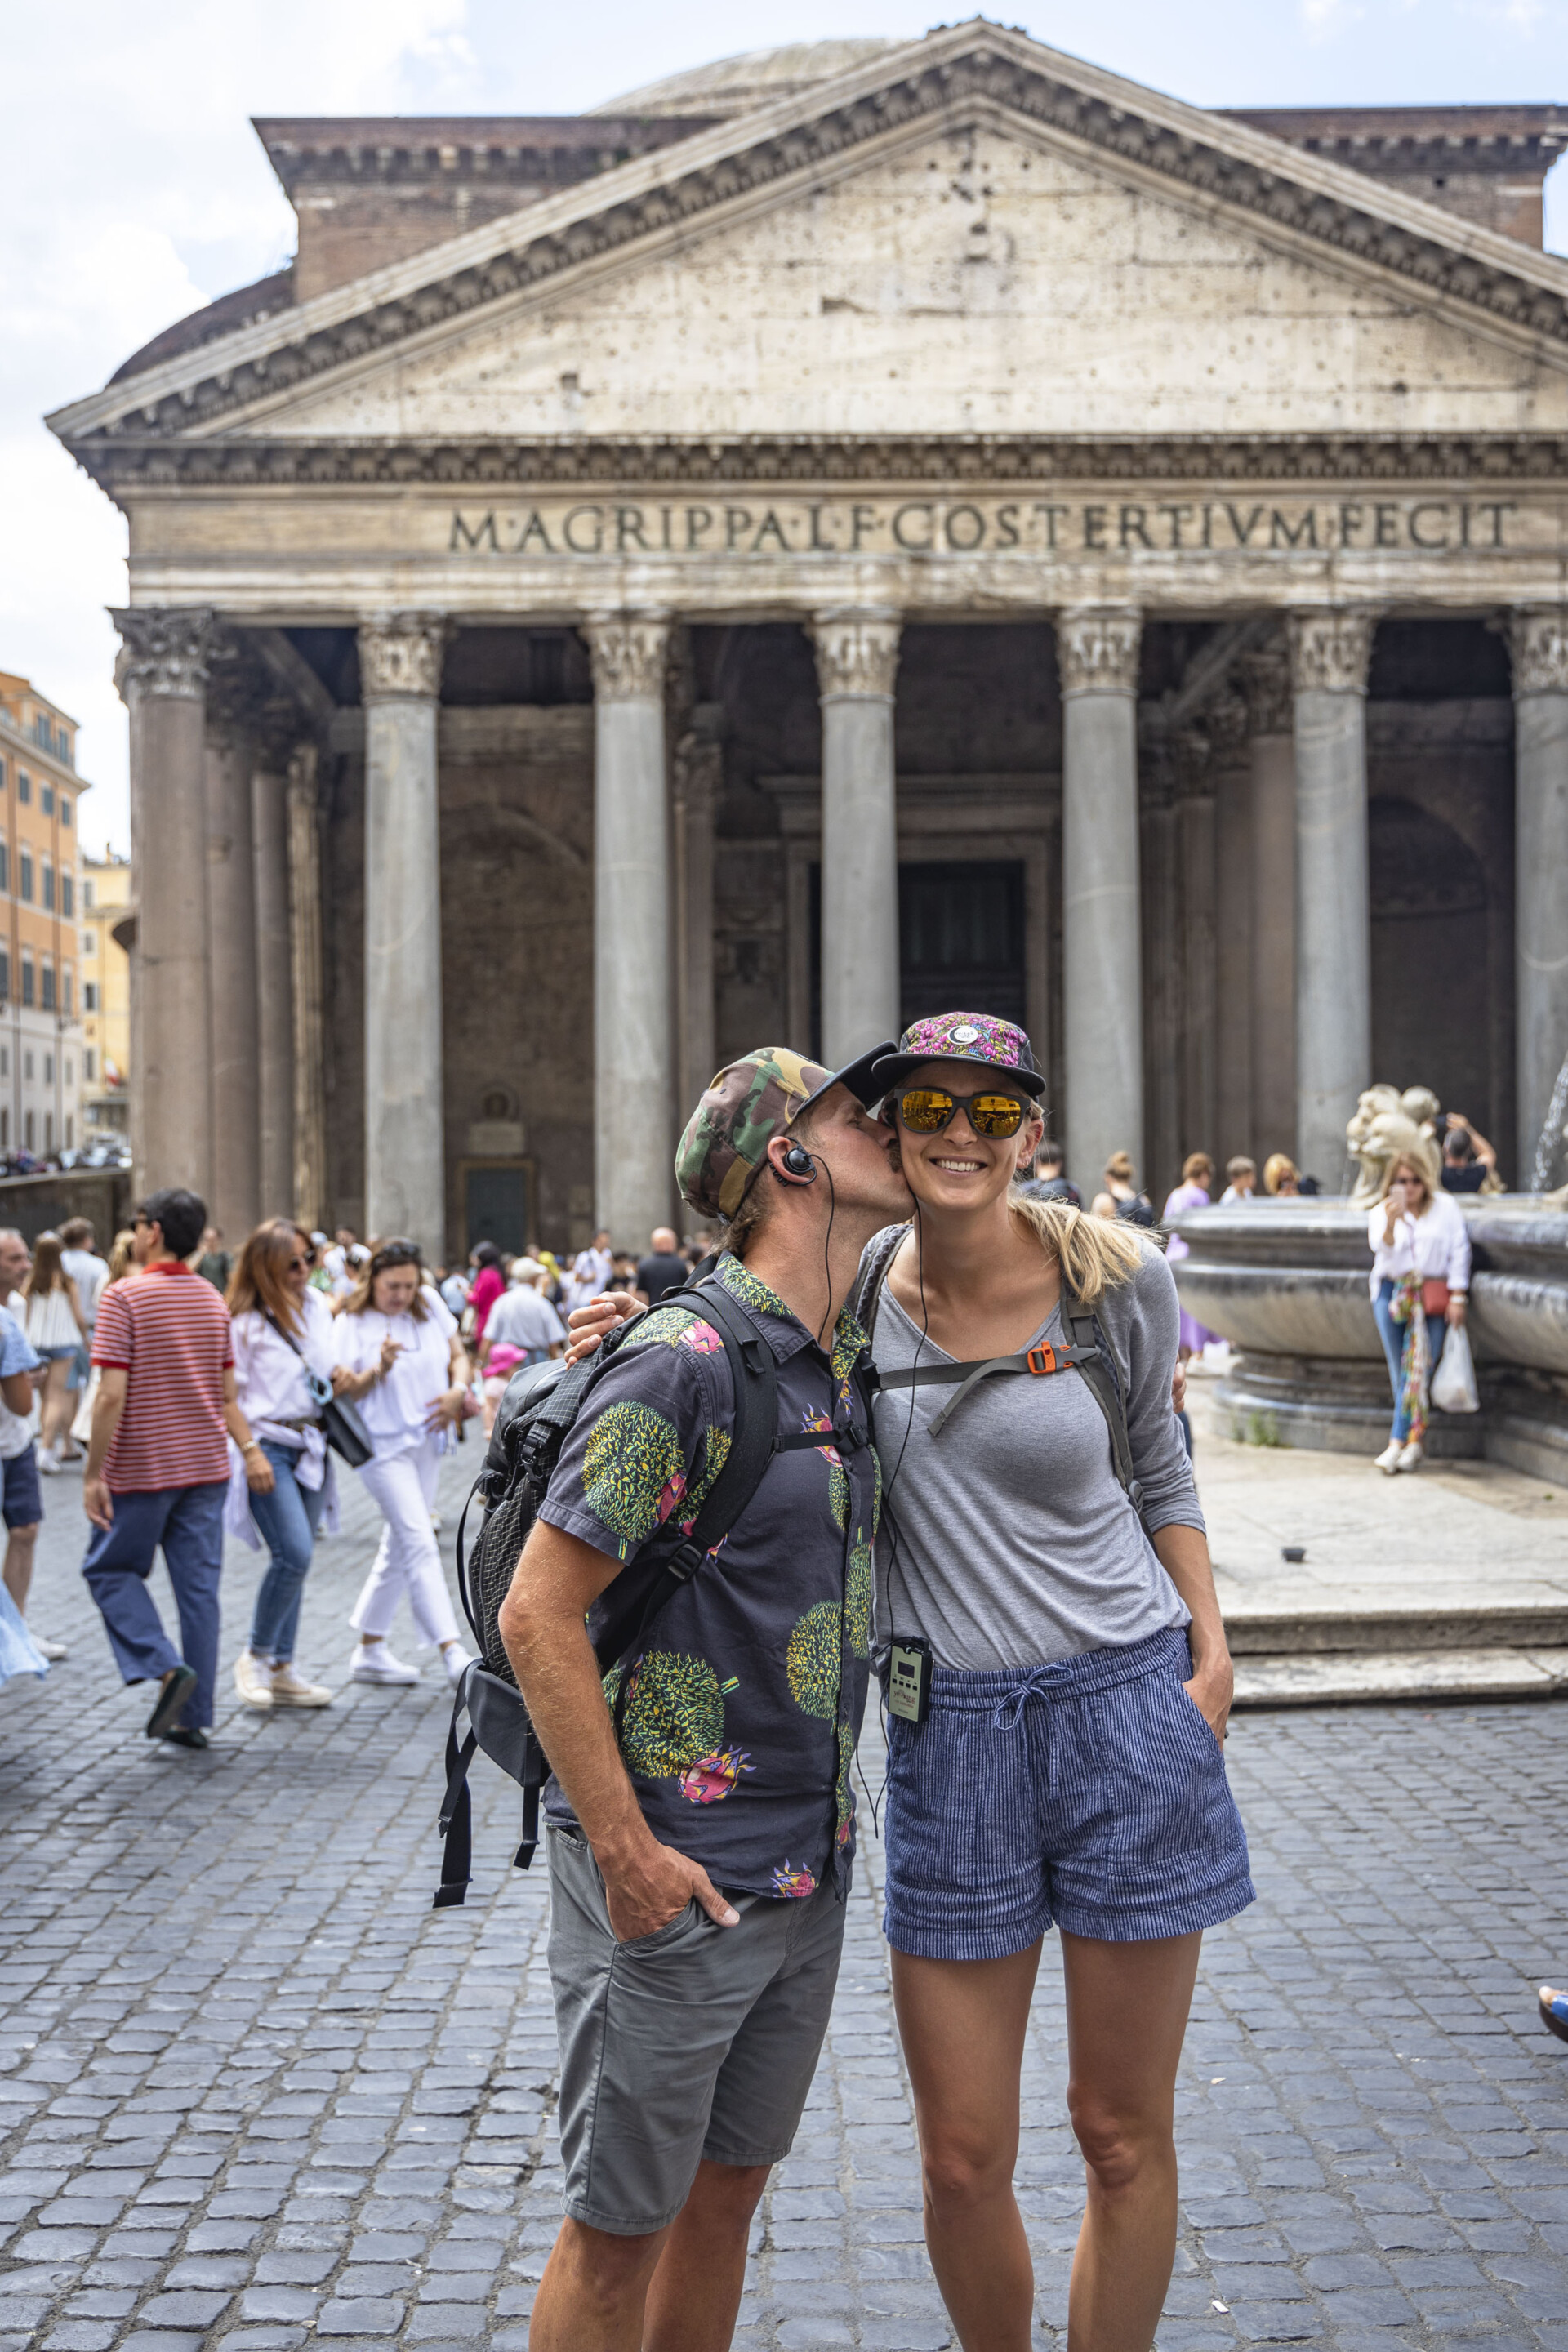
1420 1285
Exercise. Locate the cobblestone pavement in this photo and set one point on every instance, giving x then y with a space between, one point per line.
257 2091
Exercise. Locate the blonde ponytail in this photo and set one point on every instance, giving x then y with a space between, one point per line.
1095 1254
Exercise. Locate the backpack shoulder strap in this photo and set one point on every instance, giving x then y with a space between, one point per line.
1092 1360
867 1294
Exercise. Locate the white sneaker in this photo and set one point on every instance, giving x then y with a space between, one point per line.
48 1464
437 1521
289 1689
1410 1459
372 1662
253 1679
455 1659
53 1651
1388 1460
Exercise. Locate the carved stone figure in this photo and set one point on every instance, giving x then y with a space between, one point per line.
1390 1126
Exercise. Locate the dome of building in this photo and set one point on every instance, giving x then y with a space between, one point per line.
739 85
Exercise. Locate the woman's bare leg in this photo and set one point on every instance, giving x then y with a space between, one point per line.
1127 2015
962 2025
58 1406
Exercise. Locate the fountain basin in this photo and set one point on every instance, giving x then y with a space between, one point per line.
1286 1282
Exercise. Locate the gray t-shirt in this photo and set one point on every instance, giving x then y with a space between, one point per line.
521 1319
1006 1540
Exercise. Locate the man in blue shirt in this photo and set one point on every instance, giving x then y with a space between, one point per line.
701 1836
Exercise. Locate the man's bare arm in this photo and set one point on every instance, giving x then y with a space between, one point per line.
557 1580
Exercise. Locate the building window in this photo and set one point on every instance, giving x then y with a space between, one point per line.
89 1064
48 995
48 1130
4 866
45 797
67 1006
32 1127
90 996
67 896
24 785
48 887
5 1061
48 1063
70 1071
27 1065
5 1128
89 940
65 810
25 863
70 1132
29 991
5 988
87 896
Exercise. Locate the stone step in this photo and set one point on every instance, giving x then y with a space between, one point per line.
1378 1625
1340 1677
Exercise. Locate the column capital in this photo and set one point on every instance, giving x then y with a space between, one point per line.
167 650
1538 644
857 653
1264 675
1329 650
1097 648
630 653
400 656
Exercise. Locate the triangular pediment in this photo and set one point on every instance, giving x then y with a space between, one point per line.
971 233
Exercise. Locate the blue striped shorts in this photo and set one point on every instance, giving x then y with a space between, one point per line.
1090 1792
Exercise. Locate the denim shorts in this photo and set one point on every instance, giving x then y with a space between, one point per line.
1089 1793
24 1503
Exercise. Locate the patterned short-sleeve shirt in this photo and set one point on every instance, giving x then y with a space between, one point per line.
739 1720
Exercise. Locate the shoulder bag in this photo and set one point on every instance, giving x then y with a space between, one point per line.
340 1422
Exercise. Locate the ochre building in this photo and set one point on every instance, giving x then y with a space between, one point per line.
855 530
40 894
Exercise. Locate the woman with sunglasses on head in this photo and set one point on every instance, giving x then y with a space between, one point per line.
283 1341
1070 1770
408 1373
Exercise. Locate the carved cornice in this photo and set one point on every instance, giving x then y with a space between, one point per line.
967 460
1264 675
629 652
166 650
400 656
1538 641
1097 649
1330 651
857 654
1216 160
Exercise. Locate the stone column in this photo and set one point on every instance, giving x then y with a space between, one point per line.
634 1027
1097 654
1266 680
405 1129
162 673
1329 657
1537 640
236 1202
274 985
698 780
856 661
308 1038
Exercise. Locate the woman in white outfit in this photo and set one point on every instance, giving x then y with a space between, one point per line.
55 1329
409 1376
283 1340
1420 1286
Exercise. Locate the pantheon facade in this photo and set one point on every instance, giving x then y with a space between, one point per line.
858 528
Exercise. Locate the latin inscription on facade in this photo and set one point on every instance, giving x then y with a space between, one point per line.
990 526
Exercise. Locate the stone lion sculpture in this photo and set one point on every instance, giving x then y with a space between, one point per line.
1390 1126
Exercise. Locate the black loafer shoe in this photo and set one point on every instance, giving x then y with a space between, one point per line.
170 1701
185 1735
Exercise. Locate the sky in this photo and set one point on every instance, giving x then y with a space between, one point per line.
135 190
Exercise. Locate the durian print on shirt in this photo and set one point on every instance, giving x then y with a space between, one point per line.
674 1715
843 1795
680 1327
634 1472
812 1660
858 1599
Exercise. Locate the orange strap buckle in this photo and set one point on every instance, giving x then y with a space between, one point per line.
1041 1359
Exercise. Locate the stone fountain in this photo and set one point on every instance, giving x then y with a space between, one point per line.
1286 1282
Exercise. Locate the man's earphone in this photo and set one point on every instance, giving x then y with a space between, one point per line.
799 1164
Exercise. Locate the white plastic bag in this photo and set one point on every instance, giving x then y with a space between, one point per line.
1453 1382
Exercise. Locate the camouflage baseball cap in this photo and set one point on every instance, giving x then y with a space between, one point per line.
749 1103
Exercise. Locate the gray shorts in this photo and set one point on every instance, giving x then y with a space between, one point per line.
699 2040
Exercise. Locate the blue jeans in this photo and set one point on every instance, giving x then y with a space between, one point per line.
188 1523
1392 1334
288 1518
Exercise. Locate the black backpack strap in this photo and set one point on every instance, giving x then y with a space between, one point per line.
456 1824
1100 1373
